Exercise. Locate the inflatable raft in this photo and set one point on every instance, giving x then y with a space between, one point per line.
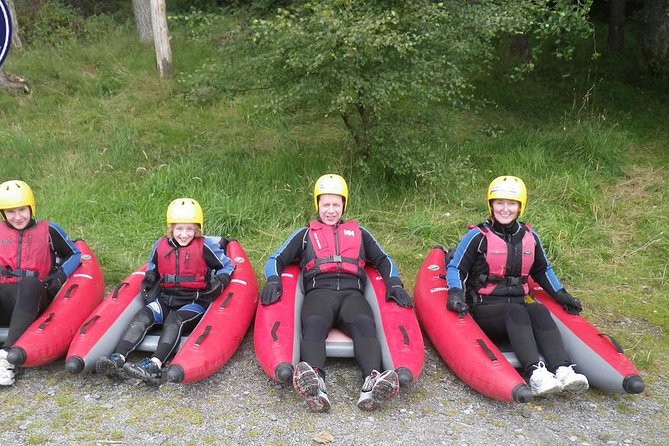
491 370
48 338
205 350
277 331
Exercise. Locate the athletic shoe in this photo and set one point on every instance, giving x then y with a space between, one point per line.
377 388
110 366
146 370
543 382
3 359
308 383
7 374
571 381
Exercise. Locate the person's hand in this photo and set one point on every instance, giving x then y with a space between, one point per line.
149 280
395 291
272 290
456 301
570 304
224 280
54 281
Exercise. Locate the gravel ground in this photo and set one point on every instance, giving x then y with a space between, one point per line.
240 406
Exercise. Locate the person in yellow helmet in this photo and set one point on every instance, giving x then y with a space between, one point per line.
185 273
36 258
488 276
332 253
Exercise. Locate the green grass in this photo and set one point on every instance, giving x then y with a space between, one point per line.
106 146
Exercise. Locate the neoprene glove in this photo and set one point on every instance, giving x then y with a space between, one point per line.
54 281
272 290
570 304
149 280
395 291
224 280
456 301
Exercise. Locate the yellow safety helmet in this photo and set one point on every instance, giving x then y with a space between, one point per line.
331 184
185 210
15 194
508 188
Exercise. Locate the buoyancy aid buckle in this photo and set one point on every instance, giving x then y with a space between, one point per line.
7 272
508 281
176 278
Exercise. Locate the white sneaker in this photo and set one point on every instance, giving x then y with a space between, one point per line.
543 382
7 375
377 388
3 358
572 381
308 383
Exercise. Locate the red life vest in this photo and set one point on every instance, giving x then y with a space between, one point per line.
24 253
496 257
333 249
183 267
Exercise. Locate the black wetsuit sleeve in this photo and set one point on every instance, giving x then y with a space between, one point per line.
289 252
64 249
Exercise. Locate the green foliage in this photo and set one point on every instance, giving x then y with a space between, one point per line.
359 59
195 23
55 24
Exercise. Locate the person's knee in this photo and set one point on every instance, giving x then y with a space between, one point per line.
314 328
172 328
541 317
142 320
362 326
31 294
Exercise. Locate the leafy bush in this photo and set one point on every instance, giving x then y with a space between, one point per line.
55 24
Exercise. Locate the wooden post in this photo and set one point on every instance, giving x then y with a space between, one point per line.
161 37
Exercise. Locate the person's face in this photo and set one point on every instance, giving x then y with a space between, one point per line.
505 211
18 217
330 208
183 233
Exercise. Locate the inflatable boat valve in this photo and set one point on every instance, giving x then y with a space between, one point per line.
74 365
16 356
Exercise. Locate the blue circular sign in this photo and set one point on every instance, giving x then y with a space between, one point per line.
5 30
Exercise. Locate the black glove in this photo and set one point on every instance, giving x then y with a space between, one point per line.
457 302
54 281
570 304
395 291
224 280
149 280
272 290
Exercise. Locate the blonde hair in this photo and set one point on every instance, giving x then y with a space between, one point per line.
170 228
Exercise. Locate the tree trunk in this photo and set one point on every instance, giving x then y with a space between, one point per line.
19 84
16 39
161 37
654 36
616 37
142 12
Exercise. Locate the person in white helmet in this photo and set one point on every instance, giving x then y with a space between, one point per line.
489 276
36 258
332 253
185 273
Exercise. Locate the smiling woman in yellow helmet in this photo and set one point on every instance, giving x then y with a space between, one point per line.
29 275
185 272
488 275
332 253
